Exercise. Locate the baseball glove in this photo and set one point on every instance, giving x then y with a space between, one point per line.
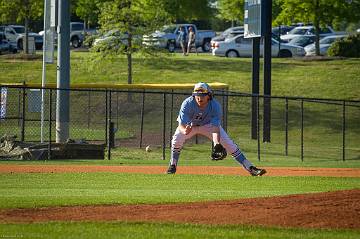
218 152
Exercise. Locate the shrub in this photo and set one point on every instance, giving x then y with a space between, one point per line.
347 47
89 40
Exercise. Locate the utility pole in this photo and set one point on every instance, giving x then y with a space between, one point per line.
267 10
63 72
255 86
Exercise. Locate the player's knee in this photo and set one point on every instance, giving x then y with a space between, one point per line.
177 142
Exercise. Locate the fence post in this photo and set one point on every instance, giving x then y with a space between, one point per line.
255 85
19 107
23 114
302 130
254 116
110 141
142 118
286 126
224 110
267 119
50 116
89 109
343 130
117 109
171 117
106 116
111 138
164 125
258 125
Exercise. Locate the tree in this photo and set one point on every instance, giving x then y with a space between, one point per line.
276 8
21 12
188 10
231 10
132 19
319 13
89 11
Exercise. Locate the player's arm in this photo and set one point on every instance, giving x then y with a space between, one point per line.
184 118
215 130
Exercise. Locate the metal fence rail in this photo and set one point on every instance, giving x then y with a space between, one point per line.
299 126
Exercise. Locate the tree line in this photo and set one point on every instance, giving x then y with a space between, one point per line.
217 13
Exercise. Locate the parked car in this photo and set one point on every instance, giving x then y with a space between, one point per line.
228 33
90 36
5 45
77 34
16 34
111 37
167 37
324 45
231 35
307 30
303 40
283 30
239 46
276 37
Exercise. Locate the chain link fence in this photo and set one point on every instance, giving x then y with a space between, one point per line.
129 120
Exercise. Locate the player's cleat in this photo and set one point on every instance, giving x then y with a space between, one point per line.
171 169
254 171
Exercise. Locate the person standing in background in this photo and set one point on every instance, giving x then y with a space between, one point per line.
191 40
182 40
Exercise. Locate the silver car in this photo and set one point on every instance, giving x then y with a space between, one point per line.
5 45
228 33
15 34
324 45
239 46
303 40
307 30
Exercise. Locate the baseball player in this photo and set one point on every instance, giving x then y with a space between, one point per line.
201 114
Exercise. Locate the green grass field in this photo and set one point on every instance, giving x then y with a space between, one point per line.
114 230
48 189
39 190
291 77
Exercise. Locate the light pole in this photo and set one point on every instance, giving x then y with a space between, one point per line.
63 72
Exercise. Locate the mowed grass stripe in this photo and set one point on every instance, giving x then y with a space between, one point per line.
47 189
109 230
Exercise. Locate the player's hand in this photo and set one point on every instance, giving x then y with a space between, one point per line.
187 129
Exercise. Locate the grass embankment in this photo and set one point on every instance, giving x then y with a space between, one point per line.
290 77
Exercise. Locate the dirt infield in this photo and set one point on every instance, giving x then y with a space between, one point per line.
271 171
340 209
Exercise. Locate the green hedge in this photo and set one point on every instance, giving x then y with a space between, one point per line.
347 47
